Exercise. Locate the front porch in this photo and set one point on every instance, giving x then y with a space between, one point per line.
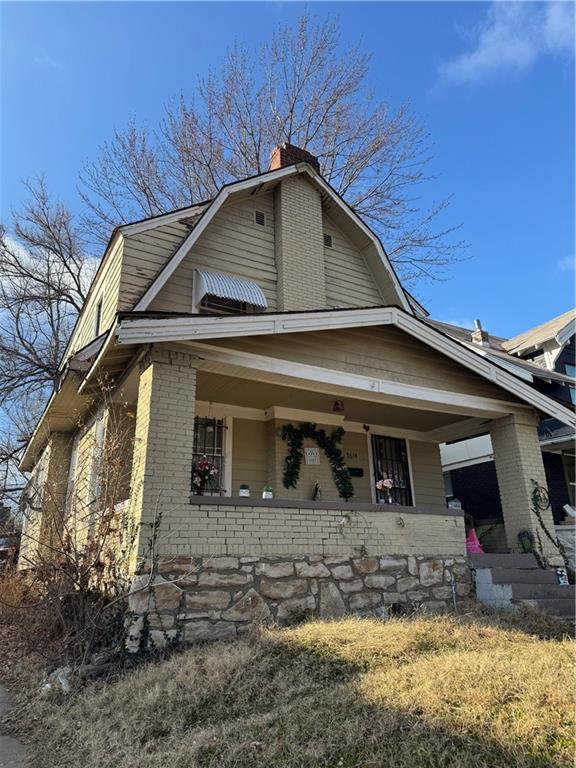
190 404
384 400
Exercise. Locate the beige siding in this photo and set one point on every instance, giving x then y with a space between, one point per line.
385 352
349 281
234 244
249 455
355 449
145 255
105 288
427 477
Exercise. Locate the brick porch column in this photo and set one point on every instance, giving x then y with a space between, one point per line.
518 460
164 439
54 492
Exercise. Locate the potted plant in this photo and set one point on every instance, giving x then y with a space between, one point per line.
203 473
268 492
244 490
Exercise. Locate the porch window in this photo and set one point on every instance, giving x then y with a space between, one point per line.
391 461
209 441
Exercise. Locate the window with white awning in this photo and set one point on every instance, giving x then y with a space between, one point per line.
219 292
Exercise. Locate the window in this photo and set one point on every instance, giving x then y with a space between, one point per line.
391 462
568 461
570 370
327 240
214 305
209 441
260 218
98 318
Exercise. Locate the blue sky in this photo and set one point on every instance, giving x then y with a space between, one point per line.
493 83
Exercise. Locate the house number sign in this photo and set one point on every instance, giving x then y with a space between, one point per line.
312 455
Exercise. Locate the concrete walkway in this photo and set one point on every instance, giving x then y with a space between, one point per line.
12 751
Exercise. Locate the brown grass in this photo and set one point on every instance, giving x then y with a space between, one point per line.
355 693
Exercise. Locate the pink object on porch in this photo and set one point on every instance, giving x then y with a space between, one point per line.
473 546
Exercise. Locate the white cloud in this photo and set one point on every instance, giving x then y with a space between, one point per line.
567 264
45 60
510 39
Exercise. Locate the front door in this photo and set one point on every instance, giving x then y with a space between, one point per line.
391 463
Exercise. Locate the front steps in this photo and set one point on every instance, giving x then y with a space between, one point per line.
516 580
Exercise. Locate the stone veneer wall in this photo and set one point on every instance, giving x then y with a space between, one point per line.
214 598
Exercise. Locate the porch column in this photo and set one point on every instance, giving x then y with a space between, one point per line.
164 439
43 526
518 460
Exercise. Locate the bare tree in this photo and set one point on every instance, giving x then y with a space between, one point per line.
44 278
303 89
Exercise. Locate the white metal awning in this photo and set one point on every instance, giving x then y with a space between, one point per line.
228 287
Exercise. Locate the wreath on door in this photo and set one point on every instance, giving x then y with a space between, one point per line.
295 436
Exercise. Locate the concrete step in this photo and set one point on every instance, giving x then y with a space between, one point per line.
559 606
541 591
523 576
522 561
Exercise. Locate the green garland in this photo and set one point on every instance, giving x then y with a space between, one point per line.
295 437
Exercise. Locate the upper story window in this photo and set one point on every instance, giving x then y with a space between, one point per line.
98 317
222 294
570 370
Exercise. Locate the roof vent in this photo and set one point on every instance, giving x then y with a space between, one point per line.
479 335
260 218
327 240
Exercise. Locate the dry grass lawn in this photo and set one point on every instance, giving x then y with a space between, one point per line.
355 693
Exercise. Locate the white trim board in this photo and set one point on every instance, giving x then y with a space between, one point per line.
146 330
299 375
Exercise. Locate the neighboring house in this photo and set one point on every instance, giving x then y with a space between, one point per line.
223 327
469 467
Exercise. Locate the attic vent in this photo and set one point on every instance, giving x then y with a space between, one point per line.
260 218
327 241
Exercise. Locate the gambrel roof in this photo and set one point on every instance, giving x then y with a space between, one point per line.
338 208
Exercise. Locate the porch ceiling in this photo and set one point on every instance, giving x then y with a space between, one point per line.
232 390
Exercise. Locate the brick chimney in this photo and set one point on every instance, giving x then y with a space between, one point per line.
479 335
288 154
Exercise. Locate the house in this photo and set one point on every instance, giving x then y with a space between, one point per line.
470 473
267 331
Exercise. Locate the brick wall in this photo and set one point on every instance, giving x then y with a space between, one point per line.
214 528
299 246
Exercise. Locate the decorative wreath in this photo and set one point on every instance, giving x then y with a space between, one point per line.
295 437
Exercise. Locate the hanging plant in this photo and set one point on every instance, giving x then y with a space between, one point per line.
295 437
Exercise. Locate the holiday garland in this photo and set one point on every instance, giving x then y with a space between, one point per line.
295 437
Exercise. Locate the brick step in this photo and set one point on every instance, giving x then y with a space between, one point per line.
538 591
522 561
523 576
559 606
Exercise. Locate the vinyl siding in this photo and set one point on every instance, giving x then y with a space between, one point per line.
427 477
106 287
385 352
249 455
234 244
349 281
145 255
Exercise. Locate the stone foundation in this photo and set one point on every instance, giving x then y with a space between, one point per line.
215 598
